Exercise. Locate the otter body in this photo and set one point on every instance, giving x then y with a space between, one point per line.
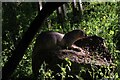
45 42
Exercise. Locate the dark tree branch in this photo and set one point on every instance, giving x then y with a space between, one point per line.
18 53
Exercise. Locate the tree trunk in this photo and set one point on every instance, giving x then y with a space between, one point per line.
61 14
77 11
